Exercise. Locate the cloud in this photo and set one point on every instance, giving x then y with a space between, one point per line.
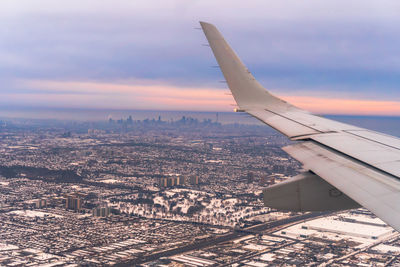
142 94
147 94
317 48
340 106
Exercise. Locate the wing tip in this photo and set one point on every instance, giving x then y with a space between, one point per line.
206 25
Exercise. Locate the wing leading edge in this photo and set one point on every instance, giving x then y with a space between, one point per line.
362 164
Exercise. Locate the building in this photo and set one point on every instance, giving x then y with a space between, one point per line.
101 211
181 180
73 202
170 181
177 180
41 203
194 179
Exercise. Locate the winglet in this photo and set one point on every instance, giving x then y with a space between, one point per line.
246 90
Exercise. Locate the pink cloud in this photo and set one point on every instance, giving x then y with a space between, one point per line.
141 95
154 95
345 106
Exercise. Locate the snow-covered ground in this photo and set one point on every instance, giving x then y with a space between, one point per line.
33 213
109 181
191 205
4 247
362 229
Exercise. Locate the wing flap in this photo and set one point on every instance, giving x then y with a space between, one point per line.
380 138
307 192
380 156
369 187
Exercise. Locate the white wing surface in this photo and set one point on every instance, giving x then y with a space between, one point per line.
362 164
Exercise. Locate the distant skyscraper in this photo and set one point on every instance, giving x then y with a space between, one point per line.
129 120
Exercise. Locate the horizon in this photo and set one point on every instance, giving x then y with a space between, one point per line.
380 123
36 113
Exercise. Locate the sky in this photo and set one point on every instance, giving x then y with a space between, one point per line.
329 57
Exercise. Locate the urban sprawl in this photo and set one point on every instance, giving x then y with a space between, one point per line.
151 192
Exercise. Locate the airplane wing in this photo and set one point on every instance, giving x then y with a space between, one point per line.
345 166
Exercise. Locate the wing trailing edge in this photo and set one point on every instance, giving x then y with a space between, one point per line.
307 192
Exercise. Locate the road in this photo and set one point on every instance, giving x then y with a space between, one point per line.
224 238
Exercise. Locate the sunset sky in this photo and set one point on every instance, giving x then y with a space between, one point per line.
332 57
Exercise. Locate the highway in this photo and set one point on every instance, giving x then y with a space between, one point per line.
237 233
